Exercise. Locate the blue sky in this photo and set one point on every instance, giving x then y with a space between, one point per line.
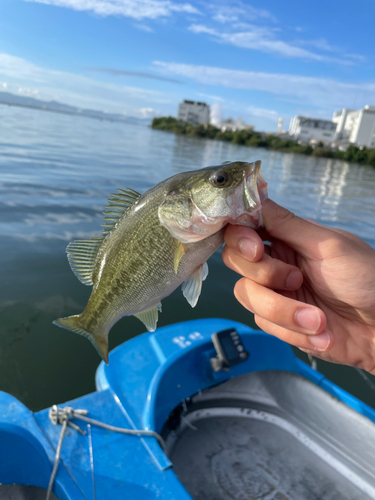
254 60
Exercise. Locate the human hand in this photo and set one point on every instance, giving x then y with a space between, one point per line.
313 287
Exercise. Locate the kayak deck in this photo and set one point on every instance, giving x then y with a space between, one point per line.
271 435
265 427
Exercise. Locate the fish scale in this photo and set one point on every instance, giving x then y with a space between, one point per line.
154 242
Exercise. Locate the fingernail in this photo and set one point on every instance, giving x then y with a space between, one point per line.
248 248
294 280
321 341
308 319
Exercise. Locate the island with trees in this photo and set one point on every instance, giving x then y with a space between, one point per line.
255 139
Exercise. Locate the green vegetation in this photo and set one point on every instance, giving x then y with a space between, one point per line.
258 140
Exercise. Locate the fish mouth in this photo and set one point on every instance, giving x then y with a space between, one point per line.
255 192
249 197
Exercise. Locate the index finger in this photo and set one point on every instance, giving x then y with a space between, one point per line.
244 241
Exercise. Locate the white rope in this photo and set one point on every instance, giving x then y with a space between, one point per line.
91 461
366 378
62 416
312 361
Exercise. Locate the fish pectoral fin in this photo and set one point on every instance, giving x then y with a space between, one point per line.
180 250
82 256
149 317
192 287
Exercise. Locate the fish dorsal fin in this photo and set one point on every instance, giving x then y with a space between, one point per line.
81 256
192 287
119 204
149 317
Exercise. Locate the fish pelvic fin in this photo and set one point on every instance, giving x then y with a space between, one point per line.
192 287
73 323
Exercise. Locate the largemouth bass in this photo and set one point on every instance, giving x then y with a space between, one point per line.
154 242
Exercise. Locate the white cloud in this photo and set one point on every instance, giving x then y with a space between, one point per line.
136 9
319 43
264 40
323 44
76 90
357 57
263 113
321 92
144 27
210 96
238 11
149 112
28 92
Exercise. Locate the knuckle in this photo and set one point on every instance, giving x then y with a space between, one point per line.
225 256
338 246
284 215
265 275
259 321
239 288
228 235
280 217
241 294
271 309
228 257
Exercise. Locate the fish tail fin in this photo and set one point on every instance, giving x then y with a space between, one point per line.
74 324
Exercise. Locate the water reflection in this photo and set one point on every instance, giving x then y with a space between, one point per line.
57 172
329 191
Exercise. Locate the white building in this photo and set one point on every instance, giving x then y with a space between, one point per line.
306 129
356 126
230 125
194 112
279 126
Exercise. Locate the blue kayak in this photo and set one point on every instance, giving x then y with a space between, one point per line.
234 414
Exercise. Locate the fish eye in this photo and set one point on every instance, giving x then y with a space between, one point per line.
221 179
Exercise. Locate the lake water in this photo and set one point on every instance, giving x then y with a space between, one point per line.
56 173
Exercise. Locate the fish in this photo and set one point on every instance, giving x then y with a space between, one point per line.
156 241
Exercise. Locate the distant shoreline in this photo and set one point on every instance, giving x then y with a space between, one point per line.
71 113
255 139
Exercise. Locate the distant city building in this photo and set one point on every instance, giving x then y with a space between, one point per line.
230 125
279 126
356 126
305 129
194 112
215 114
348 126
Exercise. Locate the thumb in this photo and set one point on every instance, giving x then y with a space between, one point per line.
300 234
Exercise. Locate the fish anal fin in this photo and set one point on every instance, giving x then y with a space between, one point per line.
149 317
192 287
82 257
180 250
